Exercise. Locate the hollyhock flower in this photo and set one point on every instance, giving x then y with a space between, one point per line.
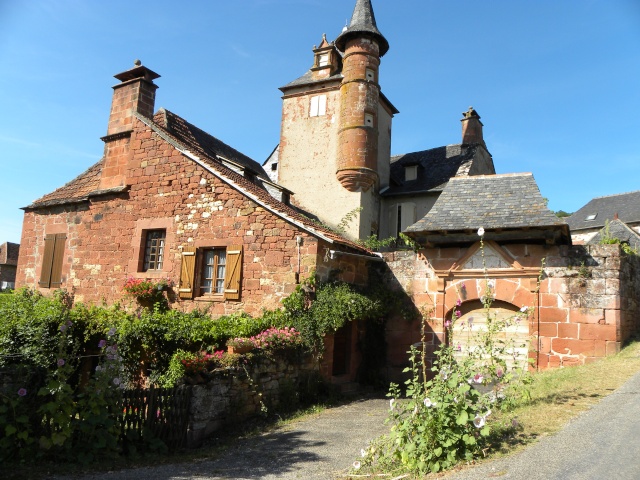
458 302
357 465
459 347
499 373
63 328
363 452
22 392
98 368
487 414
479 421
116 381
112 332
428 403
60 362
478 378
447 323
458 313
392 403
102 343
481 231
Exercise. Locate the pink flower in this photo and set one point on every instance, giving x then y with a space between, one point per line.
458 313
499 373
22 392
458 302
447 323
60 362
102 343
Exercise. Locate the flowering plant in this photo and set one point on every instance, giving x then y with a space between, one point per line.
275 338
200 362
241 342
148 291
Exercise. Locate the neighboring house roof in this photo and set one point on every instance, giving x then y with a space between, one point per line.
600 209
507 206
617 229
9 253
436 167
209 153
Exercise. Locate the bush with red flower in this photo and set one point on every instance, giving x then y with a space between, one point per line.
148 292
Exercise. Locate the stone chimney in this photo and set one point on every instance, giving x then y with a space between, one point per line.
472 127
135 93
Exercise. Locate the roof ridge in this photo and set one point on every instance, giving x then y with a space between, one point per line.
615 194
227 175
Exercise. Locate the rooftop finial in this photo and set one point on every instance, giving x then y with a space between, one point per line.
137 62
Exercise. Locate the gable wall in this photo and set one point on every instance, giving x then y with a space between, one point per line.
167 190
585 307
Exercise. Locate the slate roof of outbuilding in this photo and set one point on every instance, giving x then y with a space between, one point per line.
202 148
435 167
626 205
620 230
489 201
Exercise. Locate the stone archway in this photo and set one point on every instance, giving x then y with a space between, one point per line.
515 338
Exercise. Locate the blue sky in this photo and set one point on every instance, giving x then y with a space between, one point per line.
555 81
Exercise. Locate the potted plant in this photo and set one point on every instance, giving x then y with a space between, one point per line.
240 345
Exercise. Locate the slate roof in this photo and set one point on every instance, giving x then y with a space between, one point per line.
307 79
626 205
203 149
435 167
363 20
620 230
200 141
494 202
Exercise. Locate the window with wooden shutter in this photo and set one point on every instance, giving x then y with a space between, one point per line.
232 282
51 274
187 273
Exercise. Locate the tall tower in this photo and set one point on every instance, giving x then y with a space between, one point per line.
335 138
363 46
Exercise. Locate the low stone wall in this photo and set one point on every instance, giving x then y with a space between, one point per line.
233 395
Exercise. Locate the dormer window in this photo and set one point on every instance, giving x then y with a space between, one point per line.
323 60
410 173
591 217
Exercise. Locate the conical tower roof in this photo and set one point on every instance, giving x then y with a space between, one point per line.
363 22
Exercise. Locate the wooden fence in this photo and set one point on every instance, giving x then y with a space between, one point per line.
162 412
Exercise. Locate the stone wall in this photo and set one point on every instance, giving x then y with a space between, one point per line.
584 302
235 395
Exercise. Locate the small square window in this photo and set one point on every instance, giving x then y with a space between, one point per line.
274 167
154 250
410 172
368 119
318 106
370 74
591 217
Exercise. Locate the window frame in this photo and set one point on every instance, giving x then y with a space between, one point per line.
156 265
192 273
215 278
52 260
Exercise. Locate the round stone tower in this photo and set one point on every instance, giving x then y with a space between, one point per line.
363 46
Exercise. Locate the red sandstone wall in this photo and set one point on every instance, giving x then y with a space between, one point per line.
170 191
587 304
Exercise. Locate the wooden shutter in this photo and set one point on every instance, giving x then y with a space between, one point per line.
47 261
232 278
56 265
186 289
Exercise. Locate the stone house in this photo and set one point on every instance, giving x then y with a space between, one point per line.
168 200
591 218
8 264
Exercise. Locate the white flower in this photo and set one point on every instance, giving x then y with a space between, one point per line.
391 403
363 452
356 465
116 381
478 422
415 410
524 309
428 403
487 414
481 231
